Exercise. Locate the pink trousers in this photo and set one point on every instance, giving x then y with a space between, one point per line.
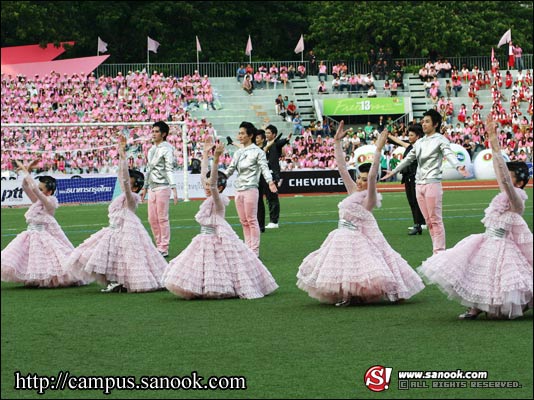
158 217
430 200
246 202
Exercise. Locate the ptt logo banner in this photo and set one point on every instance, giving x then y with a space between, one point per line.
85 190
12 193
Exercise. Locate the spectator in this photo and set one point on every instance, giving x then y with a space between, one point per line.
322 72
336 84
456 85
291 109
241 73
301 71
280 106
297 125
247 85
398 80
313 62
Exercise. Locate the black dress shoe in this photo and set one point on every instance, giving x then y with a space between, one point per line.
229 141
416 230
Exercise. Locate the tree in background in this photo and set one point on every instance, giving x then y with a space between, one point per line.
333 29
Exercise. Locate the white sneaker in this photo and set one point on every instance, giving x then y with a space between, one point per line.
270 225
112 287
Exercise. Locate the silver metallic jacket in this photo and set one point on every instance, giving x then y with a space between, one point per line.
249 162
160 166
429 152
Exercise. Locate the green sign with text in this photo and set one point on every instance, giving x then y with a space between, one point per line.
363 106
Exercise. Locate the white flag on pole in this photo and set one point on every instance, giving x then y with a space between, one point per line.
102 46
152 45
248 50
300 45
507 37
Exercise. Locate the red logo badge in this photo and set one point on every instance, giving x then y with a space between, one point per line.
377 378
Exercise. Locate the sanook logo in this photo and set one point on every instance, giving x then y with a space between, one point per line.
12 194
295 182
377 378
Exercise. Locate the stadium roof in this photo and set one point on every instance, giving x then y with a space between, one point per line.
32 53
69 67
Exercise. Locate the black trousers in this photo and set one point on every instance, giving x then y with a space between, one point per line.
409 187
272 201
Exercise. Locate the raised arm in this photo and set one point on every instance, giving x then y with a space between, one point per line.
27 189
233 164
499 165
32 189
350 185
123 175
280 143
396 140
403 164
219 149
204 166
373 172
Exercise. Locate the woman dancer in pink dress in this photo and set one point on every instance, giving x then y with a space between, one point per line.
355 264
491 272
38 256
122 254
217 263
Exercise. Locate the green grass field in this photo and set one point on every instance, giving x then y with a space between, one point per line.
286 345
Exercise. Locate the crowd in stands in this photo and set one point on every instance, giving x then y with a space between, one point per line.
82 98
265 77
138 97
346 81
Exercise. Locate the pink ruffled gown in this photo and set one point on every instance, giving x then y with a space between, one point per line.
355 260
38 256
490 271
122 252
217 263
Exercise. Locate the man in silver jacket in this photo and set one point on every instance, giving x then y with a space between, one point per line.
159 183
429 152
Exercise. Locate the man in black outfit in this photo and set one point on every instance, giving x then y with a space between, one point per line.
415 132
273 150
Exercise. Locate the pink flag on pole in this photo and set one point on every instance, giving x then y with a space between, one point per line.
102 46
152 45
248 50
507 37
300 45
198 45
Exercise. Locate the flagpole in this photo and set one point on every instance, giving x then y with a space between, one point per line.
198 68
147 60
